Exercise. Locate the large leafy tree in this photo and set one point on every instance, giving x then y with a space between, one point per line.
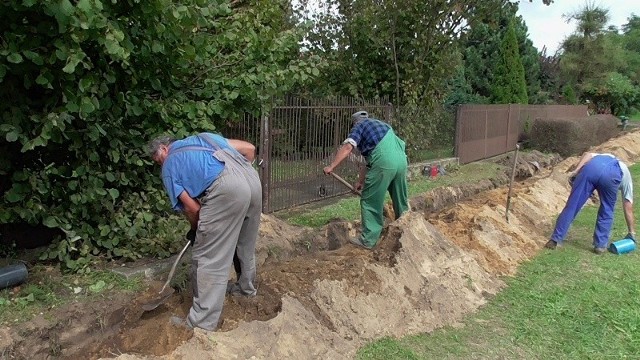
631 43
615 94
582 60
401 49
84 84
598 61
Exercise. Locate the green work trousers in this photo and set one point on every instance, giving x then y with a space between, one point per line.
387 171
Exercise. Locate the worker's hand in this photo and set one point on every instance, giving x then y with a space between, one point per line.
359 185
631 236
191 236
327 170
572 178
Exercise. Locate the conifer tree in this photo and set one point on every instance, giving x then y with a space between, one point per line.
509 86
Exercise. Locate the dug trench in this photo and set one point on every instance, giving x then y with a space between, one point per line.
320 297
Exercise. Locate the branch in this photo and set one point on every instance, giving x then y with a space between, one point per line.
235 3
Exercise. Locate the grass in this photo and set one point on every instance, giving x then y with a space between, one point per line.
349 208
635 116
286 170
47 288
566 304
441 152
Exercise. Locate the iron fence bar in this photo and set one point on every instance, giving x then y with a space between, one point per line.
331 107
264 161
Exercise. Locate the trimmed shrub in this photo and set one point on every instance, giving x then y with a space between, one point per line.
572 136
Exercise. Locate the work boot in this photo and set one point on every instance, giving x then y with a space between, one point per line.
552 245
599 250
356 241
235 290
231 286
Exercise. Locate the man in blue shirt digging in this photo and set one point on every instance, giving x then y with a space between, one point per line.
386 170
211 180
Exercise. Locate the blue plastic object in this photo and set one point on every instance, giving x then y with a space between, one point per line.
622 246
12 275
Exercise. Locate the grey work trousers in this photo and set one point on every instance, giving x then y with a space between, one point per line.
229 219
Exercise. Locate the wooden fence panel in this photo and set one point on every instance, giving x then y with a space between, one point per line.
483 131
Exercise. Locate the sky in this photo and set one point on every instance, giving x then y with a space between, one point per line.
547 27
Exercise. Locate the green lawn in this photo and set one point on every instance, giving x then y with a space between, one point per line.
440 152
635 117
566 304
349 208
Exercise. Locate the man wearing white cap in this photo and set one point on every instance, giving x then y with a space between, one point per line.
386 170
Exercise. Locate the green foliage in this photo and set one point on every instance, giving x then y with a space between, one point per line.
85 84
615 93
482 52
399 49
631 43
610 82
460 92
583 62
423 128
530 62
509 85
550 77
402 50
569 94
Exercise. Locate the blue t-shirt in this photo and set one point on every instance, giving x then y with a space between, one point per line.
366 134
191 170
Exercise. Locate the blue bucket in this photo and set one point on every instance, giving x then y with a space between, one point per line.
622 246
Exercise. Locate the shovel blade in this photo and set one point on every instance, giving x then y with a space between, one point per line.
163 296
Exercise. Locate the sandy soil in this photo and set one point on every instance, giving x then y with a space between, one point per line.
320 297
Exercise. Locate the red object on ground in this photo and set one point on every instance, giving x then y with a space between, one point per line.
434 171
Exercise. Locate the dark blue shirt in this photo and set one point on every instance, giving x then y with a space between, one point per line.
366 134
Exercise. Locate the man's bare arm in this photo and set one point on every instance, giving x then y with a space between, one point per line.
341 154
191 209
247 149
627 206
586 157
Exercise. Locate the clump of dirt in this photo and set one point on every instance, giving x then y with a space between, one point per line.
321 297
70 331
528 163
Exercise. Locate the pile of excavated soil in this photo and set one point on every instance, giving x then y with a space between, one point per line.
320 297
427 272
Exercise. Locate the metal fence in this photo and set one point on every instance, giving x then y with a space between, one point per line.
483 131
296 139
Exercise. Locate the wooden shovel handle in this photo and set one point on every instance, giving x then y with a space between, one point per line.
345 183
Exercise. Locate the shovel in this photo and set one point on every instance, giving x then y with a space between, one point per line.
346 183
513 173
166 291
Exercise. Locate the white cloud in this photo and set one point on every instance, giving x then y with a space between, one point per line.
547 27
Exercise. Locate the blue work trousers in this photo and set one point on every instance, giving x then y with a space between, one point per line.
603 174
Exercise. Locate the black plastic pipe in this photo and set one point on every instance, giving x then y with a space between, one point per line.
12 275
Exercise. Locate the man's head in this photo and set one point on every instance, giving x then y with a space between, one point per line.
359 116
158 148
